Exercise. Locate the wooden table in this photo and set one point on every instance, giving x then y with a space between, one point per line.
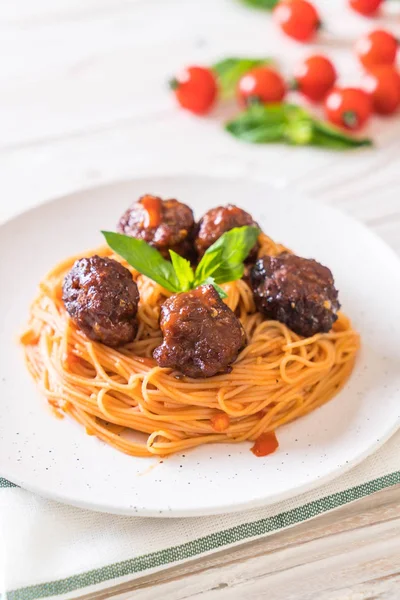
84 101
350 554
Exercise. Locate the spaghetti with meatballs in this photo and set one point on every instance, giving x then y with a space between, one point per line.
226 341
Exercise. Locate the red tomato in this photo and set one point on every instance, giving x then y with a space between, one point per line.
348 107
383 83
261 84
314 77
365 7
297 18
378 47
195 89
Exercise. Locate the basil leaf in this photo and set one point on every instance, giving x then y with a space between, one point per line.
256 134
264 4
222 262
230 70
224 259
262 114
291 124
144 258
226 273
183 271
211 281
330 137
258 125
299 132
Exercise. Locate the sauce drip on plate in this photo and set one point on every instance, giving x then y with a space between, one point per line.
265 444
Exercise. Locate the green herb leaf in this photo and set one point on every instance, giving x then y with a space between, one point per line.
221 263
224 259
299 132
331 137
183 271
211 281
258 125
256 133
291 124
264 4
230 70
144 258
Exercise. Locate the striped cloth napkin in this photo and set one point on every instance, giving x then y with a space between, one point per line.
49 550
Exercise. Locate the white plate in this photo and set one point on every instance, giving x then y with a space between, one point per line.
56 459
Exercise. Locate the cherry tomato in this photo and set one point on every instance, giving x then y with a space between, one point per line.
383 84
366 7
261 84
195 89
378 47
314 77
348 107
299 19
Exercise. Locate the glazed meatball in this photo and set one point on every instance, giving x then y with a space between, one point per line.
296 291
202 336
219 220
102 299
164 224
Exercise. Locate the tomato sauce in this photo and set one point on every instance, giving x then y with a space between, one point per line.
220 422
265 444
152 206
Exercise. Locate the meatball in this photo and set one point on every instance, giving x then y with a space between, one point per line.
219 220
296 291
202 336
164 224
102 299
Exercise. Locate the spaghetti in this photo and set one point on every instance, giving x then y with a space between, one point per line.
118 394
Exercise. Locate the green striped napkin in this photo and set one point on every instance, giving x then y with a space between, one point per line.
56 551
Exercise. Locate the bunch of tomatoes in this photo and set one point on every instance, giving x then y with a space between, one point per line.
196 88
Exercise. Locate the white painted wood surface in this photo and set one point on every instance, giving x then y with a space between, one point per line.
83 101
350 554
